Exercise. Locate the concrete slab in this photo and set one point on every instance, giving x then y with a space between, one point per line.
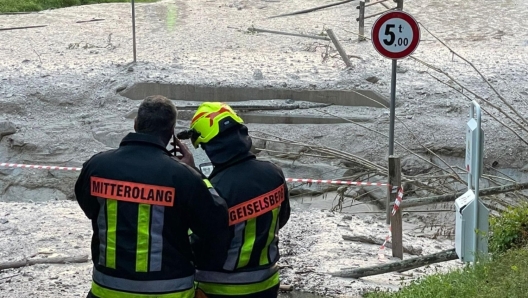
190 92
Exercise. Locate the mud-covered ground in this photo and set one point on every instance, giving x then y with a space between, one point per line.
59 95
311 247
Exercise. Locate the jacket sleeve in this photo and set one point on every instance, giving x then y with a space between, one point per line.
284 214
88 204
209 225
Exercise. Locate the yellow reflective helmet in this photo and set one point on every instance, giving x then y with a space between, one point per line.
210 119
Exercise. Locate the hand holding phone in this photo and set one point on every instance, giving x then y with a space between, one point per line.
186 155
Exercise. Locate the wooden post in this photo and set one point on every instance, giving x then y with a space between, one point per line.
399 4
395 220
361 20
339 47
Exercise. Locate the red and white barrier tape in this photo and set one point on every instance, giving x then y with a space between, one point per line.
316 181
343 182
15 165
397 202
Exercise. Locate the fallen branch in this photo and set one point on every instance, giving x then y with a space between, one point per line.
451 197
92 20
311 9
25 27
10 276
483 109
480 74
339 47
252 29
376 241
443 256
57 260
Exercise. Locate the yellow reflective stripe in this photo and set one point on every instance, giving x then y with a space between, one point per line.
250 232
143 229
264 260
245 289
111 217
99 291
208 183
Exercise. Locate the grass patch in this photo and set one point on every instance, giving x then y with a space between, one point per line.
38 5
505 276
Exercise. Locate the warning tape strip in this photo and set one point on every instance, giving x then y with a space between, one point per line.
343 182
15 165
316 181
397 201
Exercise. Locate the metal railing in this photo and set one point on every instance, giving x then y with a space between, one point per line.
363 5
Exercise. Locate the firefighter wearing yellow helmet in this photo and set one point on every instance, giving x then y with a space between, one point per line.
257 197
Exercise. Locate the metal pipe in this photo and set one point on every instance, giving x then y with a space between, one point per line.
392 107
476 177
134 29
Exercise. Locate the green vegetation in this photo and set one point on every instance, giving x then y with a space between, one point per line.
37 5
510 230
505 275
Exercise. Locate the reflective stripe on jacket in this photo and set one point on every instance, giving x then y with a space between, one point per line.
257 196
142 203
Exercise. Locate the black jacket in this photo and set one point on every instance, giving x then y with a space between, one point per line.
158 200
257 196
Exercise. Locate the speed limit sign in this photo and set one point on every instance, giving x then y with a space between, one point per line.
395 35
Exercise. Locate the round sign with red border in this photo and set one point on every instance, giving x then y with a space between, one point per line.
395 35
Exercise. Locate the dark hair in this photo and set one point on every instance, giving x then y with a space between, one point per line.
156 116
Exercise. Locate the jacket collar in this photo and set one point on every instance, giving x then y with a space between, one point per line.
143 139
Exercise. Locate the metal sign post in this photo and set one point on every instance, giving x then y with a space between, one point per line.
395 35
134 28
472 217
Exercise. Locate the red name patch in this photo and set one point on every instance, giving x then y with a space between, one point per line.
132 192
256 206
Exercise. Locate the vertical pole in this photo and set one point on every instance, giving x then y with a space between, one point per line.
134 28
399 4
476 176
392 107
361 19
396 220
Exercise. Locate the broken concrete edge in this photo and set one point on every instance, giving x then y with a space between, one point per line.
273 118
191 92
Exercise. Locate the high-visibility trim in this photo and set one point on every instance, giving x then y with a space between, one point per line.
108 293
208 183
250 233
143 235
234 249
111 219
274 246
233 290
245 277
264 258
132 192
156 238
101 226
104 281
257 206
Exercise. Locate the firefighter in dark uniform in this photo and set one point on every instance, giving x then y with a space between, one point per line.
142 201
257 196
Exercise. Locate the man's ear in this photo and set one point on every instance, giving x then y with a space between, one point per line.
135 124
